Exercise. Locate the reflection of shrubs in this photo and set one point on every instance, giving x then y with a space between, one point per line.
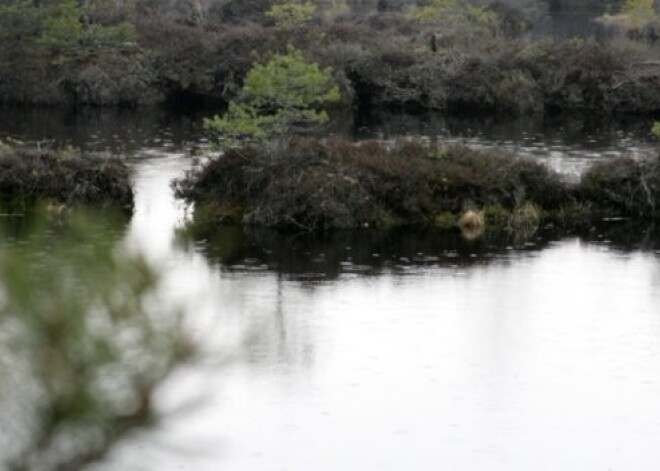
27 176
312 257
85 351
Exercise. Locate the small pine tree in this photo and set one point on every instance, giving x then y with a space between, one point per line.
282 96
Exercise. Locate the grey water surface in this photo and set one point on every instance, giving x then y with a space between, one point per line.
393 351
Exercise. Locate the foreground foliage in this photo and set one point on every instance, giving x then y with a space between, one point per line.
81 351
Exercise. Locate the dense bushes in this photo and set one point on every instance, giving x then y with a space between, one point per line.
511 78
318 185
624 188
60 52
150 52
30 176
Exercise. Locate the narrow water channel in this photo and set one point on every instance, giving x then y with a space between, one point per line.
393 351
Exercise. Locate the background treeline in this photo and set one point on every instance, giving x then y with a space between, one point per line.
423 54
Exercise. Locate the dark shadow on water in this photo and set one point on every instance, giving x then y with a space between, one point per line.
327 257
97 129
130 131
626 237
564 130
111 225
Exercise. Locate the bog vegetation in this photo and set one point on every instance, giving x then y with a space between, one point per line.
62 179
451 55
314 185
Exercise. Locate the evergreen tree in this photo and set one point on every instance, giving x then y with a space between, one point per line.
282 96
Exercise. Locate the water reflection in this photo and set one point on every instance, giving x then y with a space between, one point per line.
310 259
484 366
568 144
94 129
488 354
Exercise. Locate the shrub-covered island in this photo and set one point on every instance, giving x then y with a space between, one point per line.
317 185
62 179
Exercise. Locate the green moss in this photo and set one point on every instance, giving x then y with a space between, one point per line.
576 215
496 217
386 220
229 212
445 220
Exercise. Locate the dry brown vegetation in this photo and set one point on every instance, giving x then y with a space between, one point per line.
381 59
319 185
30 176
624 188
316 185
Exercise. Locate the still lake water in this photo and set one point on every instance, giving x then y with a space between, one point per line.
393 351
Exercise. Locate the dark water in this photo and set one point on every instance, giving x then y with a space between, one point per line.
393 351
566 143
